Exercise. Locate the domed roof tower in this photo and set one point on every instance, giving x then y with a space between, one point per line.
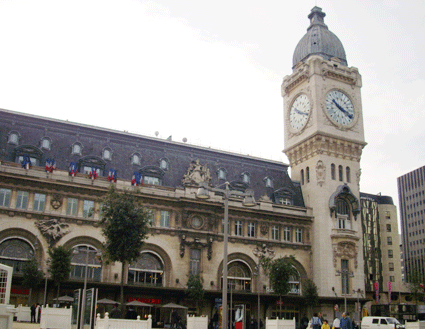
318 41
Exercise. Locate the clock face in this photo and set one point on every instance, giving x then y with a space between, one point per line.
197 222
339 108
299 112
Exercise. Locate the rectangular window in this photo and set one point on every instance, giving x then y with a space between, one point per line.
287 234
391 266
151 217
388 227
238 228
165 218
222 226
390 253
22 200
345 277
389 241
299 235
195 261
392 278
275 232
71 206
39 202
88 208
387 215
4 197
251 230
151 180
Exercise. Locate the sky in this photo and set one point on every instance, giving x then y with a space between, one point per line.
211 71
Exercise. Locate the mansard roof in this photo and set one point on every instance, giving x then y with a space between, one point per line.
124 145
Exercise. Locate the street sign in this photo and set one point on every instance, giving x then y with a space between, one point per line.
336 307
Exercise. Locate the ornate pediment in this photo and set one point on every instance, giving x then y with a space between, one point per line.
196 173
345 250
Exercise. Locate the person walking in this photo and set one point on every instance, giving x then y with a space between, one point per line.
115 312
38 312
316 323
336 324
346 322
325 325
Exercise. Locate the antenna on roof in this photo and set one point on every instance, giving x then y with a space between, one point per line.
156 133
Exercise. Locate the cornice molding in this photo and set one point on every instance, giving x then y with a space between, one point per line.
320 144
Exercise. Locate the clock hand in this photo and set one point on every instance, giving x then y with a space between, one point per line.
299 112
342 110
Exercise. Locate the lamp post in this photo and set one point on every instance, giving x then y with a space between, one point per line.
83 295
261 254
358 292
249 201
345 290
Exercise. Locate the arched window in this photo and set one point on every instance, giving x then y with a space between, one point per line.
221 174
340 173
107 154
343 215
147 270
15 253
83 255
246 178
164 164
239 276
295 283
302 176
45 143
135 159
333 171
347 172
308 174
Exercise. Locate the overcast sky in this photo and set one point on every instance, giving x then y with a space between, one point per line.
211 71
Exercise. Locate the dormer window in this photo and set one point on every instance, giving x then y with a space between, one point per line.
164 164
45 143
136 159
13 138
269 182
77 148
221 174
246 178
107 154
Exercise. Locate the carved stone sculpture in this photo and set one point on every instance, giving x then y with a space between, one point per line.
52 229
196 173
320 173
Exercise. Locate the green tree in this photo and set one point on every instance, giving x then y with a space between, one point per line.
195 289
415 283
32 276
281 270
310 293
59 265
125 227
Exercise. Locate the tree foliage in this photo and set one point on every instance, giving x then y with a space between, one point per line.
125 227
280 271
415 284
59 265
195 289
310 293
32 276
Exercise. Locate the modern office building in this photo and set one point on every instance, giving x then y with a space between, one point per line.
411 194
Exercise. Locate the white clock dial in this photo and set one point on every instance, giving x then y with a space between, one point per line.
299 112
339 108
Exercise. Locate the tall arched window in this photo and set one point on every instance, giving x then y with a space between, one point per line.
307 171
340 173
343 215
333 171
147 270
239 276
15 253
82 256
347 173
302 176
295 283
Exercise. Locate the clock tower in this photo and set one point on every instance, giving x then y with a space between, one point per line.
324 138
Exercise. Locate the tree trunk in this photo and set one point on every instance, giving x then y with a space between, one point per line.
122 290
29 297
280 305
57 293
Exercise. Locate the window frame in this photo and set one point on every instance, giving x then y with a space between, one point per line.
39 205
165 218
22 200
71 206
5 195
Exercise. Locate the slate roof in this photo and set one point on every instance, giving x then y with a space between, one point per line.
63 134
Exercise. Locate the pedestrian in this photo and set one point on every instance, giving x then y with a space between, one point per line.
304 322
320 316
115 312
346 322
174 319
315 322
325 325
336 324
38 312
33 319
215 320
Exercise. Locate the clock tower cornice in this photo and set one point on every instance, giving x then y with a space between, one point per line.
316 65
327 145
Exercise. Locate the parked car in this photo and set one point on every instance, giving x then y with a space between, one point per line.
381 322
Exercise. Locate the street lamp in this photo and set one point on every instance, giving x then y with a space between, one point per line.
83 295
261 254
358 292
249 201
